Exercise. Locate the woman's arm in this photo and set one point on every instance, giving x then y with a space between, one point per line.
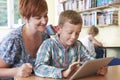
7 72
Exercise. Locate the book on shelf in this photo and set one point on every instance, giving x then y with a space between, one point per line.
100 18
89 18
114 17
93 4
81 5
72 5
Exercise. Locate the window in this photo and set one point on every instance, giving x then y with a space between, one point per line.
17 17
9 14
3 12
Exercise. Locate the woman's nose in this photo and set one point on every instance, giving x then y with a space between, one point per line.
43 20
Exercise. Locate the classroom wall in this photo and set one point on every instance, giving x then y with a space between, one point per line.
109 35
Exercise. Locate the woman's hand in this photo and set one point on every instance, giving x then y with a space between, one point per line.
24 71
103 70
71 68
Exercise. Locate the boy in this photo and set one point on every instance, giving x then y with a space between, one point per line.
58 56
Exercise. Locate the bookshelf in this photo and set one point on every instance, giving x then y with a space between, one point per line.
95 12
114 4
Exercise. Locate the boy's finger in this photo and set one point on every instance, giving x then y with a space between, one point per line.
29 65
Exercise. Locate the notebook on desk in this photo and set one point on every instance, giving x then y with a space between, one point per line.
90 68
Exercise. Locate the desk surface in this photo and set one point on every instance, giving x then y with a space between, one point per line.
113 74
111 46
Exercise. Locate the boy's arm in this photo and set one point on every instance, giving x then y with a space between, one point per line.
85 54
43 64
48 71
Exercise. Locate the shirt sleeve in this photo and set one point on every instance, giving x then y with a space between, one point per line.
84 53
9 49
43 64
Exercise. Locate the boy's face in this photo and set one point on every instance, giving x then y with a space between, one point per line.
69 33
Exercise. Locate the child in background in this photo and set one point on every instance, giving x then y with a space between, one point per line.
92 44
60 55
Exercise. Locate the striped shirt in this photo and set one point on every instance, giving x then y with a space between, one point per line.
53 57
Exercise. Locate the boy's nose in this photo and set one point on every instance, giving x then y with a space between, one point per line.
73 36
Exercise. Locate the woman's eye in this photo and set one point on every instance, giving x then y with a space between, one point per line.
46 16
37 17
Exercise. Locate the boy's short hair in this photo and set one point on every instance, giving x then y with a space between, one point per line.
70 16
28 8
93 30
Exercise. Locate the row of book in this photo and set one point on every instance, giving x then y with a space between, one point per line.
81 5
100 18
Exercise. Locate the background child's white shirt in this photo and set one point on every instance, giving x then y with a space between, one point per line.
88 44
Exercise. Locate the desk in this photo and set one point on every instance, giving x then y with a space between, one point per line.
108 47
113 74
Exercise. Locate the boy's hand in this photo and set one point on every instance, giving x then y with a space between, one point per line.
71 68
103 70
24 71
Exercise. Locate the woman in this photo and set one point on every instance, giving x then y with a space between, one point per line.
18 50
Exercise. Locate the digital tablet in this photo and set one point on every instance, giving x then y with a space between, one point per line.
90 68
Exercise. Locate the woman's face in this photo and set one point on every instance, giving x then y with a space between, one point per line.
38 23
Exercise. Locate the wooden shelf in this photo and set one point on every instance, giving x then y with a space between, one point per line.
102 26
115 4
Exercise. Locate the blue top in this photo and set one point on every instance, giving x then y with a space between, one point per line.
12 49
53 57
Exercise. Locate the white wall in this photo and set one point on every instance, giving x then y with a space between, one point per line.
109 35
51 11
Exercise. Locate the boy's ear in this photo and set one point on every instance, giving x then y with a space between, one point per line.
58 29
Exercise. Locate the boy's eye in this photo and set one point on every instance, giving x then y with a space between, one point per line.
69 32
77 33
